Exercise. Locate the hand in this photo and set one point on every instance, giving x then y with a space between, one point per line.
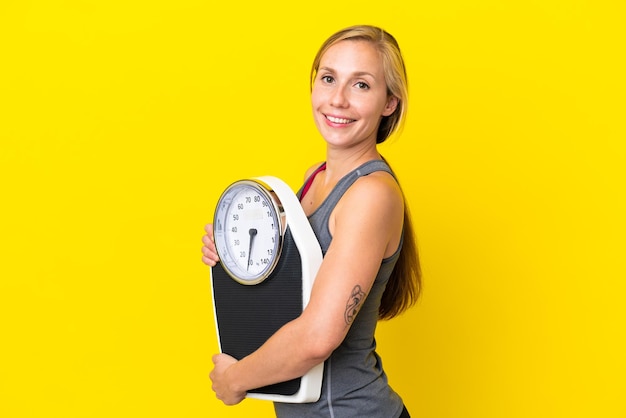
209 252
219 376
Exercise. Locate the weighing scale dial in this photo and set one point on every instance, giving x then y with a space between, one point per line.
249 226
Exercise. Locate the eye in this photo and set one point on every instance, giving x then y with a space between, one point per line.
361 85
327 79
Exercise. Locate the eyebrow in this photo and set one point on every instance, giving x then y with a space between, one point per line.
356 74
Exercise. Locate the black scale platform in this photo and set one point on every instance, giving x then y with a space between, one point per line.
247 315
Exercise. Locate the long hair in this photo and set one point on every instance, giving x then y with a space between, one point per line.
405 283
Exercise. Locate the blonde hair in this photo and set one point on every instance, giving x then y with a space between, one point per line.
393 67
405 283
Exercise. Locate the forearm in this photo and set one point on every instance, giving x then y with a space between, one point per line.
288 354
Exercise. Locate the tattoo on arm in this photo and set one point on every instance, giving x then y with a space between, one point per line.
357 296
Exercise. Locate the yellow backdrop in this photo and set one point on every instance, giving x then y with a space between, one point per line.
122 121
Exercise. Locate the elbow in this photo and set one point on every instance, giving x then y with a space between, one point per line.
320 344
319 351
317 339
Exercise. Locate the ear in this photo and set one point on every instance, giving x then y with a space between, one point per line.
390 107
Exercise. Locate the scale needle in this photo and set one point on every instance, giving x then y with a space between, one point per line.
252 233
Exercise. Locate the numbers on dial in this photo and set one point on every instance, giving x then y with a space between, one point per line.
249 238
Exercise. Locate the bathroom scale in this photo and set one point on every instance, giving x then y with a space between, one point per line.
269 257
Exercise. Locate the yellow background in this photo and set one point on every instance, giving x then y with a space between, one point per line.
122 121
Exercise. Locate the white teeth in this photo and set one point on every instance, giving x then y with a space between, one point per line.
339 120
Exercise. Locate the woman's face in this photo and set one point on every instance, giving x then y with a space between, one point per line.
349 95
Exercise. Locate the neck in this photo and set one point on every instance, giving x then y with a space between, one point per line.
341 162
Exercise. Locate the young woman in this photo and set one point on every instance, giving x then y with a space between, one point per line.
370 269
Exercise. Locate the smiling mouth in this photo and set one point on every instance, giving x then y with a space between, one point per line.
339 120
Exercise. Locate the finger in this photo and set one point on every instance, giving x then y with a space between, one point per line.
208 261
209 230
211 258
207 253
208 241
210 252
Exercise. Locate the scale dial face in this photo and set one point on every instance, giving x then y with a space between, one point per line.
248 228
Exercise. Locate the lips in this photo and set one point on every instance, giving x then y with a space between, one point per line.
341 121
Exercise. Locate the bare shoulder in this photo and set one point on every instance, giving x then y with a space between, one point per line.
378 188
372 207
379 194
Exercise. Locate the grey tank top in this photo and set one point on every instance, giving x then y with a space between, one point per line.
354 384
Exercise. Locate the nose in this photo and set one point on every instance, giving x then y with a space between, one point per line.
339 98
